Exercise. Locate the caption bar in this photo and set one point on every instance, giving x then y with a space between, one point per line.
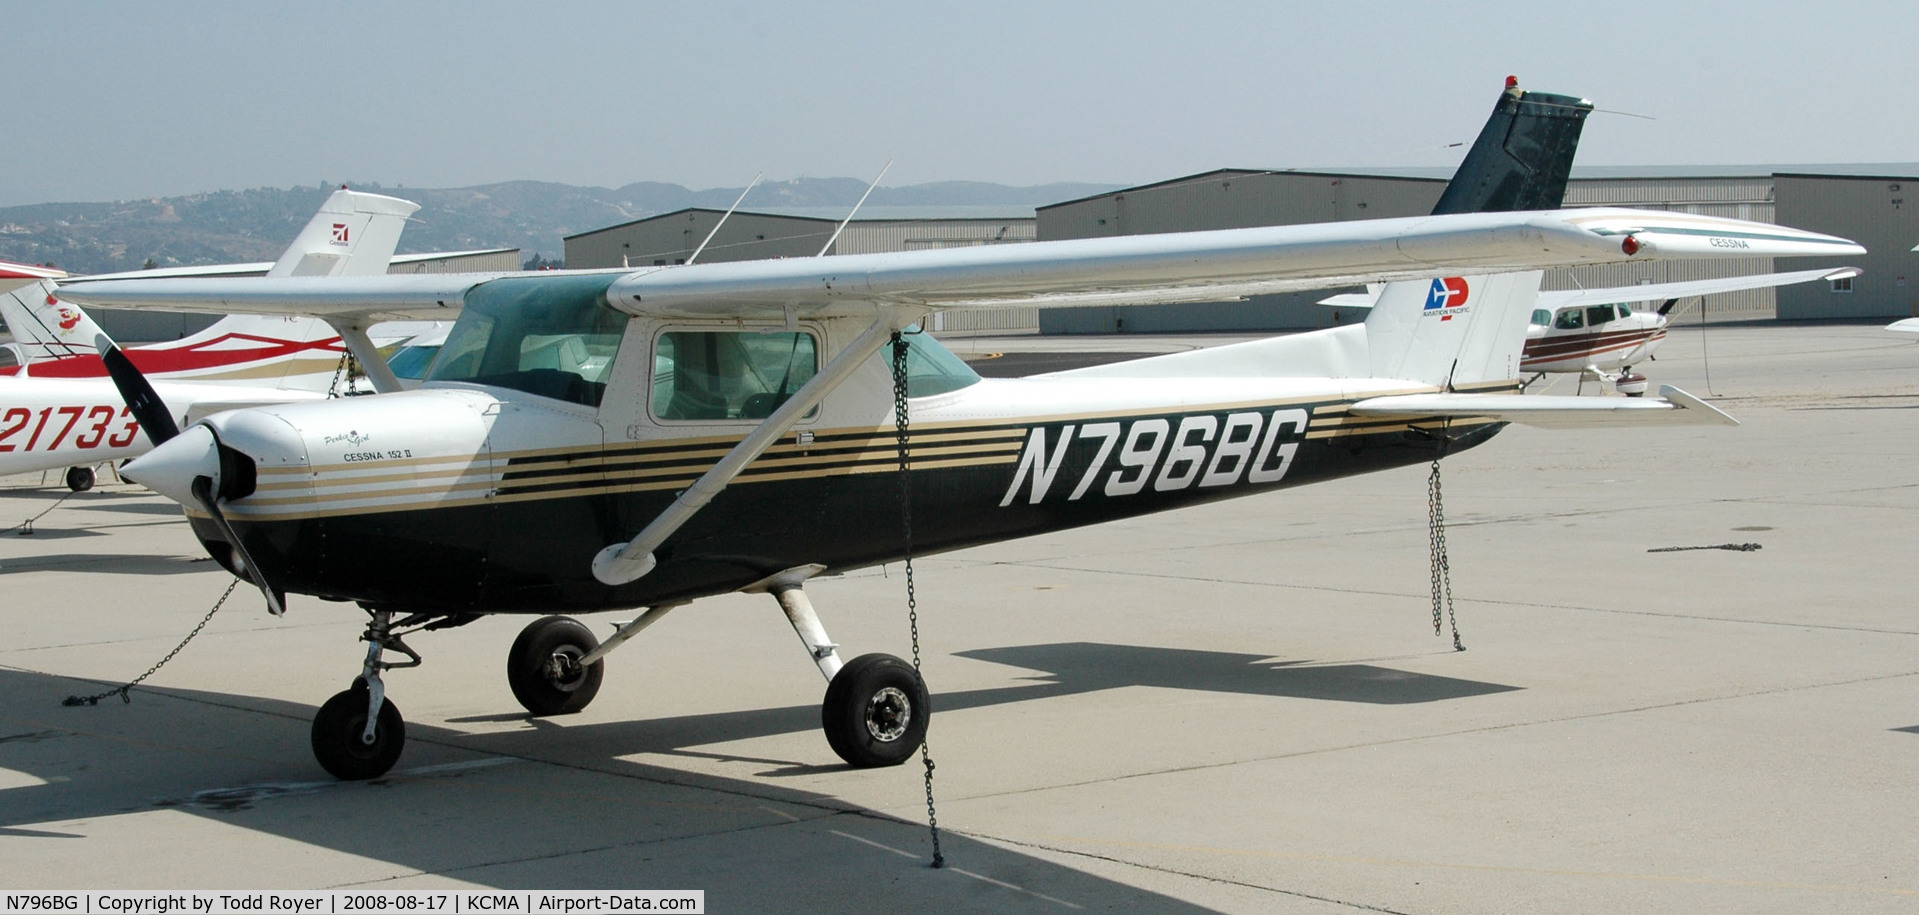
296 902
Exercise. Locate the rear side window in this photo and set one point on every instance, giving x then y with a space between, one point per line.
718 375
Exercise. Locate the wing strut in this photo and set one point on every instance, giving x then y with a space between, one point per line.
353 334
625 562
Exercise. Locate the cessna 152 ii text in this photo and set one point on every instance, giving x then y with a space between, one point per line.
59 408
592 441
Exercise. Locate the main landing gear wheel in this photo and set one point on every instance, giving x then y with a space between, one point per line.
876 711
339 736
543 667
79 479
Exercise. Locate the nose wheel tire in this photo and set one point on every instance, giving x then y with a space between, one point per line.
339 736
876 711
79 479
543 666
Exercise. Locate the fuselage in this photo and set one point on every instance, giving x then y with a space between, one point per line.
471 500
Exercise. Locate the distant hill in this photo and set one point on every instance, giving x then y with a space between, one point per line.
257 224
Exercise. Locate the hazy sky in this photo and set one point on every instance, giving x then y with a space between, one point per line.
116 100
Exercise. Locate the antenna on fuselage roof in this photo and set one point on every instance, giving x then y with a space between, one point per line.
729 212
856 209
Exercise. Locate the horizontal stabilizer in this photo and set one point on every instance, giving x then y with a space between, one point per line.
1672 407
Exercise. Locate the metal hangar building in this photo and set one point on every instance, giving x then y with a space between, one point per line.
1865 202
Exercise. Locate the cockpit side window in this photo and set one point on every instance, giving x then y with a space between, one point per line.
1570 319
721 375
1598 314
1625 310
551 336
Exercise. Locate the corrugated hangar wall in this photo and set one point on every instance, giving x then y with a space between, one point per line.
671 238
1880 212
1226 199
1243 198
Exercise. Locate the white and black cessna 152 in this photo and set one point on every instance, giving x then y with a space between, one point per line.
595 441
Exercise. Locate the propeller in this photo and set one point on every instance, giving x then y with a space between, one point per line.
152 414
148 409
1667 307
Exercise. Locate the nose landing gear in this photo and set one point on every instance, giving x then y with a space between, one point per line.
357 734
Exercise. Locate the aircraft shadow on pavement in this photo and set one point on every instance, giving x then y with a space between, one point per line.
1071 668
1075 667
509 823
105 563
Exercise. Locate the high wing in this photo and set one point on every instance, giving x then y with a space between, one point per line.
1675 407
1680 290
1142 269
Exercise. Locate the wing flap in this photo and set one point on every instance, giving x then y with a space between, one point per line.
1672 407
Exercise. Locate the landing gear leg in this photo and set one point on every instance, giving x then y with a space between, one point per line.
876 707
357 734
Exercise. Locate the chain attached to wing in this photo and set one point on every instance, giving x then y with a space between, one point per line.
901 433
1442 574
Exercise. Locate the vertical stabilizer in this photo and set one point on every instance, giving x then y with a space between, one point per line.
1523 155
44 327
1459 330
1453 330
354 234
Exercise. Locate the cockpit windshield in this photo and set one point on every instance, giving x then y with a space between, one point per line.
551 336
931 368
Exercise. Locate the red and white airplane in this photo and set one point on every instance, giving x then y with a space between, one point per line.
59 409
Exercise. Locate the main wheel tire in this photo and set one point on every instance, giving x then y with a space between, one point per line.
79 479
876 711
339 727
542 666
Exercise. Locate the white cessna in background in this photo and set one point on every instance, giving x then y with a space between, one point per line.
593 441
59 409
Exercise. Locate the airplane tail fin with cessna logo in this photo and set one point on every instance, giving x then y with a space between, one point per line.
352 234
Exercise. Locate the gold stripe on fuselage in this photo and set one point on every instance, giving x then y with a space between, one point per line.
572 472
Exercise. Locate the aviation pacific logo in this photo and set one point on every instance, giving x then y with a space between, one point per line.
1447 297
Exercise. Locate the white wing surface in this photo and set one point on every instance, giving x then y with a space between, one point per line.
1142 269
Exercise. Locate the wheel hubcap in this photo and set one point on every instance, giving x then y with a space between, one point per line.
563 669
887 715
